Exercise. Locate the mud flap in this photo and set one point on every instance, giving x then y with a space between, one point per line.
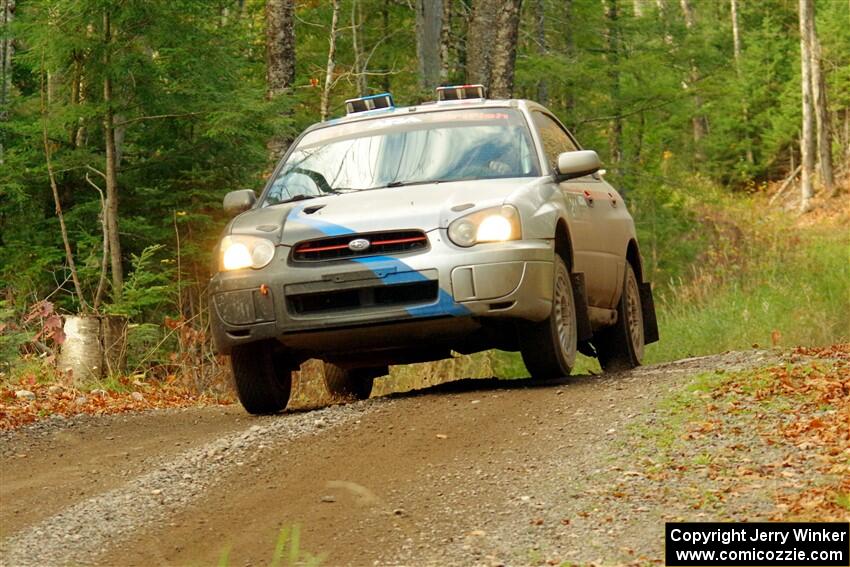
583 328
650 323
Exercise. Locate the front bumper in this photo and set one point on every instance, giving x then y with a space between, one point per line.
295 302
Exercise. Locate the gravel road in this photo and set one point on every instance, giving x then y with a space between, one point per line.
475 472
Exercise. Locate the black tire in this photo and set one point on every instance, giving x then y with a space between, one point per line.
263 380
621 346
549 347
348 384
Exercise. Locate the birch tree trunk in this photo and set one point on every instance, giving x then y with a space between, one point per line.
329 71
504 50
111 170
698 120
540 40
819 100
280 58
807 142
638 8
736 44
429 25
6 49
357 46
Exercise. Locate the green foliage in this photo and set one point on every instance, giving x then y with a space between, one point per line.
146 288
12 337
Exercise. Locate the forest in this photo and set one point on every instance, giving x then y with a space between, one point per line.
725 123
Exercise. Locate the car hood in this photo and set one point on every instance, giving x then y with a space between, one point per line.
425 207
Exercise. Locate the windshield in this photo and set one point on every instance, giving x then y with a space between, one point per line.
430 147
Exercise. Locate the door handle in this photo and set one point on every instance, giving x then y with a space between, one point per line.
613 200
588 198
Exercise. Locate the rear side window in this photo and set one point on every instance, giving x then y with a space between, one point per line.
555 140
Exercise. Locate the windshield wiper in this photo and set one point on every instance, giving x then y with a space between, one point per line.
404 184
299 197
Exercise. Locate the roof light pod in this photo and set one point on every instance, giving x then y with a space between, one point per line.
373 102
461 92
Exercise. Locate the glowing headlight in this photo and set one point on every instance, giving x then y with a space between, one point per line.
490 225
238 252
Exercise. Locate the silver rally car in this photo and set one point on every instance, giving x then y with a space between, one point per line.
398 235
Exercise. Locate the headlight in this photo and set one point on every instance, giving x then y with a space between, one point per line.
490 225
238 252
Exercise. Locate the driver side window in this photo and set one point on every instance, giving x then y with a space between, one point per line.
555 140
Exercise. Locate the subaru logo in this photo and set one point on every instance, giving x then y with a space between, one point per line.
359 245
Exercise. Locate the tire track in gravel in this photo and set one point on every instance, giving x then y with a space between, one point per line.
81 532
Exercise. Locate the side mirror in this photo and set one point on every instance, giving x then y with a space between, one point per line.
236 202
578 164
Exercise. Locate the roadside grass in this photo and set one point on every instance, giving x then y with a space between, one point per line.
287 551
764 281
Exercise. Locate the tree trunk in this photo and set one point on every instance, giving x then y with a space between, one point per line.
846 141
503 59
111 167
821 108
57 202
95 347
612 55
280 46
638 8
807 143
736 45
385 31
698 120
570 43
6 49
446 42
429 24
280 59
329 71
357 45
540 37
480 41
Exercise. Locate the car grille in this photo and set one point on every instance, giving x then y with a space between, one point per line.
364 297
381 243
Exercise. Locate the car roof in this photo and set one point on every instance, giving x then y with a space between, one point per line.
430 106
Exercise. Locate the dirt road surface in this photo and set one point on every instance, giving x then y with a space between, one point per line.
475 472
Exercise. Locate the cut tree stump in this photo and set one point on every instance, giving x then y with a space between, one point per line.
95 346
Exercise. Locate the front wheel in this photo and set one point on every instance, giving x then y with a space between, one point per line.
549 348
621 346
263 379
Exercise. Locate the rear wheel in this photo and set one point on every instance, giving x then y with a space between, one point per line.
621 346
353 384
263 379
549 348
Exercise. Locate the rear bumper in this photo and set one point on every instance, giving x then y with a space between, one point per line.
376 302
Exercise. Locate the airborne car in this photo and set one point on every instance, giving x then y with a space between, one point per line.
398 235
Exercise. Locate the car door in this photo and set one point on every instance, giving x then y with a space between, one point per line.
588 202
